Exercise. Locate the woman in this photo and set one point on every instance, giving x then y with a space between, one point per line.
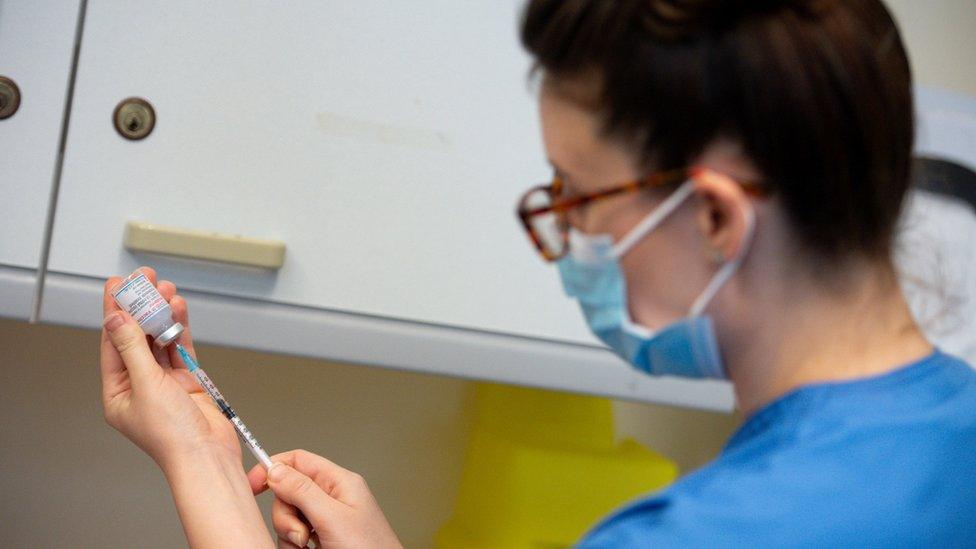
729 175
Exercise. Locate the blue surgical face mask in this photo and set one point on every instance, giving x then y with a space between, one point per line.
591 273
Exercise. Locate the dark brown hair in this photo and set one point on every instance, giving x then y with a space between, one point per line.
817 92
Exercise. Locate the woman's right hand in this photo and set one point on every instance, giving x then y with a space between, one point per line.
317 500
149 396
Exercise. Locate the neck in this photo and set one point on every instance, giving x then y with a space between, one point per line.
802 332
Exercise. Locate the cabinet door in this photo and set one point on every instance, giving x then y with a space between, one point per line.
384 143
36 41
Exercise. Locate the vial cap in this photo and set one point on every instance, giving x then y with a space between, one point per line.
169 335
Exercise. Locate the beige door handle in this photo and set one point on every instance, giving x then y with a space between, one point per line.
236 249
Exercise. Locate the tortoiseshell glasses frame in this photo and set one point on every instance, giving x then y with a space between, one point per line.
560 206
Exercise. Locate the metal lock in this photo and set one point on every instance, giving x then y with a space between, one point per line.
134 118
9 97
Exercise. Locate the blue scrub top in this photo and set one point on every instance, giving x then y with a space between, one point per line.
885 461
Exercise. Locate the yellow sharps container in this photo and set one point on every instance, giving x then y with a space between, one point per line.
543 467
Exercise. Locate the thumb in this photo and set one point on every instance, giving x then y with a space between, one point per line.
301 491
130 341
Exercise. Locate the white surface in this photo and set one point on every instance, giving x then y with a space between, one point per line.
16 291
937 259
35 52
946 125
385 144
940 40
937 248
362 339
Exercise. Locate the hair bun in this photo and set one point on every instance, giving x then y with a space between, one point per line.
681 19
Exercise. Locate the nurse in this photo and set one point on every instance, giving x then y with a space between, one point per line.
728 176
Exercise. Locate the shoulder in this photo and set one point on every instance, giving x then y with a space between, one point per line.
798 505
719 506
828 467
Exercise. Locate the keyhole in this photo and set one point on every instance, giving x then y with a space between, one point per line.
4 99
133 118
133 123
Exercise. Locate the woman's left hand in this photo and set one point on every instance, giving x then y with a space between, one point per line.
317 500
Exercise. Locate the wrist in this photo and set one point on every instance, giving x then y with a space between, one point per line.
214 500
207 457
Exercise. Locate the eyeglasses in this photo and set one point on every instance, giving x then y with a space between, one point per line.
545 213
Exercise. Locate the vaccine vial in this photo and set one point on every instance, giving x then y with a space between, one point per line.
137 296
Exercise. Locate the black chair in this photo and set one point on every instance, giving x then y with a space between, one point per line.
946 178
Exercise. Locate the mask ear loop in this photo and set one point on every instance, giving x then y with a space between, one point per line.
646 225
653 219
727 270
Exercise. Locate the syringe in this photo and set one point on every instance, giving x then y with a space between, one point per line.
204 380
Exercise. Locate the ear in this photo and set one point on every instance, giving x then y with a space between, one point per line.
723 214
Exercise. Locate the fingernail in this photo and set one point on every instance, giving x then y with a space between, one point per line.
276 472
113 321
297 538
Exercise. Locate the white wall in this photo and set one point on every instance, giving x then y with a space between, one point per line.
941 40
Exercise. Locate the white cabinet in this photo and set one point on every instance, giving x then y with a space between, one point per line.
384 143
36 41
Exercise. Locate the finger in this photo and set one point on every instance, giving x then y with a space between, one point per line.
327 474
108 300
112 367
115 378
285 544
166 357
342 484
150 273
166 289
258 478
301 491
288 523
129 341
181 312
186 380
181 315
110 363
161 355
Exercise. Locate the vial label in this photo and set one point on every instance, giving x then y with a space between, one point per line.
139 298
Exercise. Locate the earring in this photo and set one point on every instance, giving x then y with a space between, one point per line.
716 255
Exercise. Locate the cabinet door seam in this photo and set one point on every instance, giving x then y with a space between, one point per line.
58 167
